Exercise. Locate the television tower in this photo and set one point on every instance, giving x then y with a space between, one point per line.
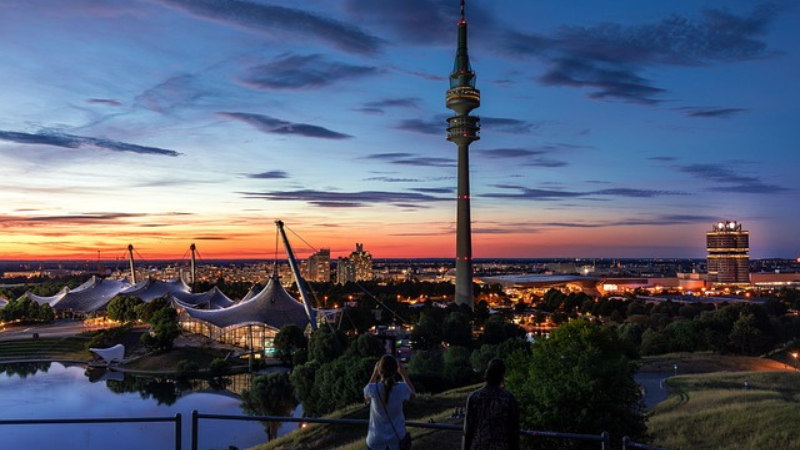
462 130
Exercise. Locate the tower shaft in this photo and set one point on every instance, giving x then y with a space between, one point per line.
464 294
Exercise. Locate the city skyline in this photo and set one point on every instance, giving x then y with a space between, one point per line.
615 130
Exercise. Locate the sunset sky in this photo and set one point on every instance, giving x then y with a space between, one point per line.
609 129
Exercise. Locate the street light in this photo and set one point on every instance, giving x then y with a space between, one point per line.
794 355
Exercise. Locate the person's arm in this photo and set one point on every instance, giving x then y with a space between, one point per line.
372 379
402 371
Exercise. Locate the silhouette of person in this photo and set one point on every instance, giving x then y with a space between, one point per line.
492 416
387 424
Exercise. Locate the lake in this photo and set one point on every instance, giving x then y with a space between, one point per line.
55 391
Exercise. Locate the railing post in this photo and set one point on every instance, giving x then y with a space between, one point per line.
178 431
625 441
194 429
605 444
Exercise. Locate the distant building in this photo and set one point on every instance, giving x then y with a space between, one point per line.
728 254
344 271
357 267
362 263
319 266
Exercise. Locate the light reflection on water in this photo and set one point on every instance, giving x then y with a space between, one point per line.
53 391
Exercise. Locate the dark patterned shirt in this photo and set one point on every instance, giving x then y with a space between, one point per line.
492 421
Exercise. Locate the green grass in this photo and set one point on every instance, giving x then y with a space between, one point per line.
70 348
715 412
168 361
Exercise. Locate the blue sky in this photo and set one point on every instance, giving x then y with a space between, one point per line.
609 129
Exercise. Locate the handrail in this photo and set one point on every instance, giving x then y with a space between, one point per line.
627 443
603 438
176 419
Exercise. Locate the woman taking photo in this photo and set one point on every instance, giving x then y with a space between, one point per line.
387 424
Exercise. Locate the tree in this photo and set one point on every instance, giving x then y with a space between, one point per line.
145 311
325 344
289 340
164 330
457 329
122 308
457 367
580 381
427 333
744 333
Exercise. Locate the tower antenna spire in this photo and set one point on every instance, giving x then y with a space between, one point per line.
462 130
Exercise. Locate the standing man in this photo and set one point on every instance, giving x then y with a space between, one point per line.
492 421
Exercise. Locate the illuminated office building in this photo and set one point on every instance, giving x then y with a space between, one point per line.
728 253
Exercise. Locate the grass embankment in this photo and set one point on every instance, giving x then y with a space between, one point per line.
352 437
168 361
716 412
65 349
706 362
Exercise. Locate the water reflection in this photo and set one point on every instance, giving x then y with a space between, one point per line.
48 391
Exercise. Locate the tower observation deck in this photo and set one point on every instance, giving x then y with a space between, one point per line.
462 130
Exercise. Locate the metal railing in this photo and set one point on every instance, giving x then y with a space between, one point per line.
627 444
604 439
176 420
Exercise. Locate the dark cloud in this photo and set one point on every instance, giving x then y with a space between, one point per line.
510 153
530 157
67 219
555 194
104 101
507 125
57 139
271 175
634 193
394 180
663 158
303 72
388 156
210 238
280 22
432 190
277 126
329 199
436 126
609 58
415 21
667 219
380 107
532 194
546 162
410 159
730 180
722 113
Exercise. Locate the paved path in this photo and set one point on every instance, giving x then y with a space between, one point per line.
655 391
62 328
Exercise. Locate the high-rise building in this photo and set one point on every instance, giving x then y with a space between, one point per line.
728 253
462 129
344 271
362 263
356 267
319 266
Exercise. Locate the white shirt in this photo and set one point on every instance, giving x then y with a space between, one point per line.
380 433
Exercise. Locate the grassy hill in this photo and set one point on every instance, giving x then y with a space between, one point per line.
715 411
69 348
352 437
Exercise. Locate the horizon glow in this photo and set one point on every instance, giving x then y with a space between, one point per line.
608 131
